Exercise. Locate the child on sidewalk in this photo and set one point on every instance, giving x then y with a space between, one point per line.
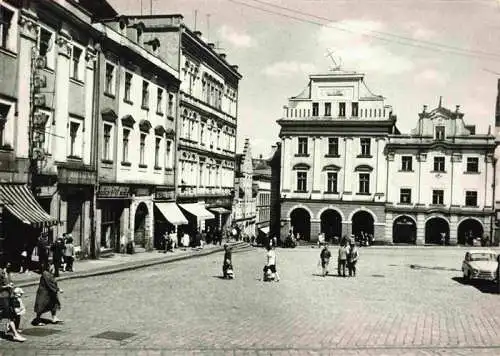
18 305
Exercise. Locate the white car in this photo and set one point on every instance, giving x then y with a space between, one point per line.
480 264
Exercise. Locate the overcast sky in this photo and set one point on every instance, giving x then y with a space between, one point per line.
276 53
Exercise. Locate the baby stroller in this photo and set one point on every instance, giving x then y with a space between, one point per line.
269 275
228 272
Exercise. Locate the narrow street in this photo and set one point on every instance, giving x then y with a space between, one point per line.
404 301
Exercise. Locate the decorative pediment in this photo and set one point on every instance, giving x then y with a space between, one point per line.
128 121
331 167
170 133
145 125
109 115
363 168
301 166
159 130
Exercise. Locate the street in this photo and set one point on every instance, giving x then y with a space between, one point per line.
404 301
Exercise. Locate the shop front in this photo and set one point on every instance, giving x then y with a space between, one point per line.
197 215
113 202
168 216
221 208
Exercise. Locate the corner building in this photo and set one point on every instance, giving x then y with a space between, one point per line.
333 169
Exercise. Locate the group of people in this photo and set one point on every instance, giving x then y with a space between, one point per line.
12 307
347 257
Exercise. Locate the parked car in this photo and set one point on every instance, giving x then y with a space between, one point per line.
480 264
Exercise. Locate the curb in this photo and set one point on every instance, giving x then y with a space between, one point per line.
123 267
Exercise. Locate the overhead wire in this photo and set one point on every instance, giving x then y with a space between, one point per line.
398 39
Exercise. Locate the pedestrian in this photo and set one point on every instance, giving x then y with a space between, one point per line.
47 297
275 241
342 259
42 252
271 262
7 313
325 259
352 259
19 308
321 239
228 260
57 254
69 254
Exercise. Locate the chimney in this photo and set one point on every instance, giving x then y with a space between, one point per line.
211 45
274 147
197 33
425 109
457 108
235 67
497 109
260 156
222 55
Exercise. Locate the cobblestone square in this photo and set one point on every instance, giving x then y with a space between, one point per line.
405 301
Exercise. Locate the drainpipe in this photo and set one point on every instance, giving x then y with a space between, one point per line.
94 251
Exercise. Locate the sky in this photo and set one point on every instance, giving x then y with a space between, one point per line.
412 52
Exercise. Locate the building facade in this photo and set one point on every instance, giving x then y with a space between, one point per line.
496 188
333 170
441 181
244 211
262 186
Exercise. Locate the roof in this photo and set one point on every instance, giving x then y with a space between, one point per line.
99 8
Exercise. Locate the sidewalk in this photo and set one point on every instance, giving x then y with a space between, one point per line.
123 262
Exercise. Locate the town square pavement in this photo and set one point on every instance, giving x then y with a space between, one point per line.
405 301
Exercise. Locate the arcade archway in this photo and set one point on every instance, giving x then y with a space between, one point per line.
404 230
331 224
362 223
301 223
437 231
141 215
468 230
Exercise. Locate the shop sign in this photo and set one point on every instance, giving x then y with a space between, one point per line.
116 191
164 194
71 176
140 192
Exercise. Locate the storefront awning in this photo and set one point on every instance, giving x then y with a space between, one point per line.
264 229
172 213
220 210
198 210
21 203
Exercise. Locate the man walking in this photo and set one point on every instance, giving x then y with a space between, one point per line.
325 259
352 257
342 258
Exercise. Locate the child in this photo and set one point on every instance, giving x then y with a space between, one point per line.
69 254
18 305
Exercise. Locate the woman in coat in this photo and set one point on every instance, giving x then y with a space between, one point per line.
47 298
7 313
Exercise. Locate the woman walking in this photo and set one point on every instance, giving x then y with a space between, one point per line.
7 313
47 297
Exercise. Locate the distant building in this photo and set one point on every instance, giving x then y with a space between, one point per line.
497 167
275 222
244 202
440 181
262 175
333 168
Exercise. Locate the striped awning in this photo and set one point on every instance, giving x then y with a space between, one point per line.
21 203
220 210
172 213
198 210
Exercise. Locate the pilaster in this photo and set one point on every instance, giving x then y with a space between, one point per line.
453 238
90 60
316 168
315 230
286 158
349 183
389 227
420 229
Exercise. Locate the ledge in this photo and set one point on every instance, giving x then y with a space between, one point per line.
302 155
157 168
471 173
109 95
107 161
444 172
332 156
145 107
77 81
364 194
126 164
408 171
74 158
364 156
128 101
159 113
143 166
170 117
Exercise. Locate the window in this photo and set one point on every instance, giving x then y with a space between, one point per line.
76 56
45 47
470 198
438 164
355 109
438 197
202 134
169 154
126 134
472 164
301 181
74 138
406 163
157 152
218 139
331 182
159 101
440 133
315 109
110 79
328 109
302 146
107 142
365 146
405 196
333 146
128 84
342 109
145 94
364 183
5 20
142 148
170 104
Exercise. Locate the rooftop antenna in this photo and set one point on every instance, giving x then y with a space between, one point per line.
440 101
337 63
151 7
208 27
195 18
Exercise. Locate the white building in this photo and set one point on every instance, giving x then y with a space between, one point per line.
440 181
